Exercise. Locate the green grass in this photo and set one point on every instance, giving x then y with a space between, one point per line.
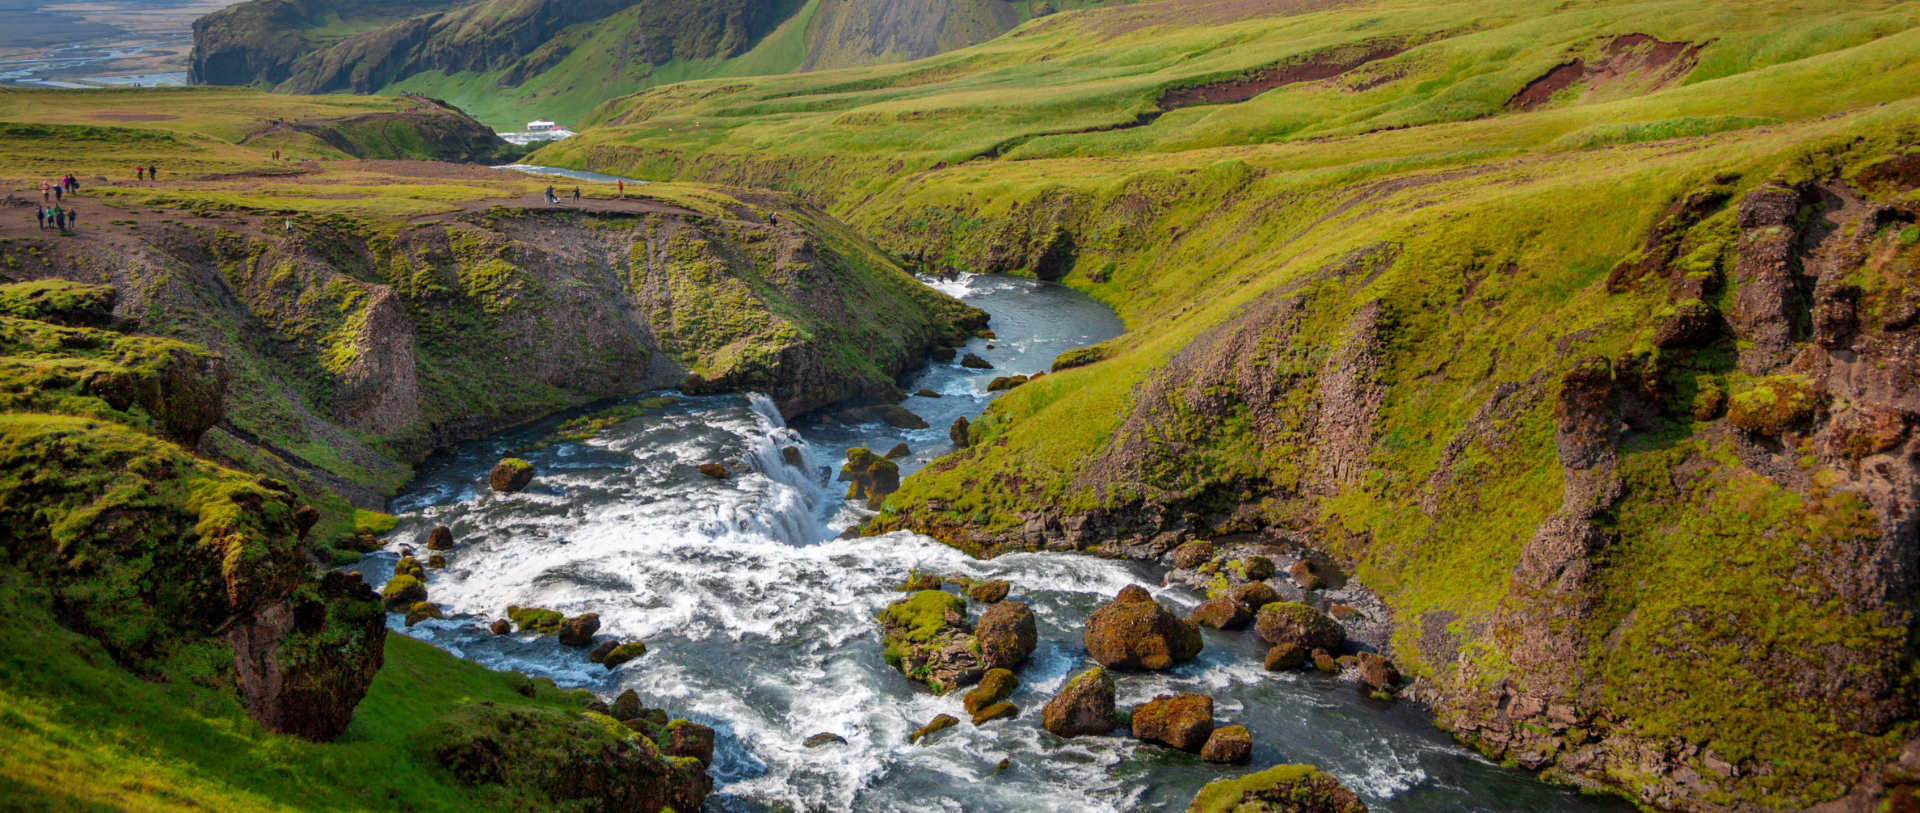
67 711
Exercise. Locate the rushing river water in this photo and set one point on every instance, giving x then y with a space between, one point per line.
760 623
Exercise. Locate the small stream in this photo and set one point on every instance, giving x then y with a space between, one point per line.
760 622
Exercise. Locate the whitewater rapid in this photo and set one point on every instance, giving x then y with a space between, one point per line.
759 621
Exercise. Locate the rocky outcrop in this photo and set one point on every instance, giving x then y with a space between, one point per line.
1083 707
1279 789
1290 622
1228 745
869 477
996 686
1135 632
510 475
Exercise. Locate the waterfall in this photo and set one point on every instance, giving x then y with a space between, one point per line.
803 491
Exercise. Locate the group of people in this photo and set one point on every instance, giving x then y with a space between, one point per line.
56 217
50 214
53 191
149 172
553 199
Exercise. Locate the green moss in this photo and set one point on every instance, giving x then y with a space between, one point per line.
58 300
1225 795
373 522
535 619
1773 405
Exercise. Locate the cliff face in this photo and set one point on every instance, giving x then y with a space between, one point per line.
257 42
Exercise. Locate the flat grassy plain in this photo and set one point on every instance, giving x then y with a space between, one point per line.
1485 205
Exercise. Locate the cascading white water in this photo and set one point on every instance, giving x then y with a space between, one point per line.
760 624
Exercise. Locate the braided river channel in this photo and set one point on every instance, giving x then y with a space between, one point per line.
759 619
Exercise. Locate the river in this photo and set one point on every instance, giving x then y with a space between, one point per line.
759 621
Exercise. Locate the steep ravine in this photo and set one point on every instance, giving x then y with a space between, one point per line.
760 623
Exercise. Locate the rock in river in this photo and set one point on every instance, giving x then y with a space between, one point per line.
1083 707
1135 632
510 474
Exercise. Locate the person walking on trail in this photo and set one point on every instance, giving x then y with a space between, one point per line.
551 200
58 190
73 219
40 214
46 189
153 172
576 194
139 173
60 219
623 189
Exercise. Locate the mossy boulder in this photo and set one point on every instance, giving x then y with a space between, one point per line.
436 562
1078 357
567 755
997 685
1773 405
1005 382
933 726
1253 595
958 433
1083 707
500 626
1302 573
1252 568
1007 634
1222 613
988 592
898 451
1285 657
1377 672
510 475
623 653
917 581
403 590
1183 721
893 415
578 631
1131 633
714 471
1290 622
1192 554
423 610
870 477
974 362
928 639
409 566
1228 745
684 738
59 301
1279 789
440 538
535 619
994 712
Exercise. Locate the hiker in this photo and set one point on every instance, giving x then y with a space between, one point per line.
623 189
551 200
576 194
58 190
153 172
139 173
45 190
73 218
40 214
73 183
289 225
60 218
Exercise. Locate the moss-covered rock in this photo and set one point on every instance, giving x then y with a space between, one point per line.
170 388
1228 745
1253 595
1192 554
958 433
995 711
1005 382
973 361
409 566
1182 721
535 619
578 631
898 451
623 653
421 611
1279 789
1302 574
1079 357
403 590
1290 622
928 639
870 477
933 726
1130 633
1222 613
1773 405
1377 672
1285 657
566 755
59 301
684 738
990 591
714 471
917 581
440 538
1007 634
997 685
1083 707
510 475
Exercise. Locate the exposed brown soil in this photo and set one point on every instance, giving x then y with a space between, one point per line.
1654 62
1322 65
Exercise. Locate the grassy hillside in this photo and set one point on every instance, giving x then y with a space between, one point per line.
508 61
1564 327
